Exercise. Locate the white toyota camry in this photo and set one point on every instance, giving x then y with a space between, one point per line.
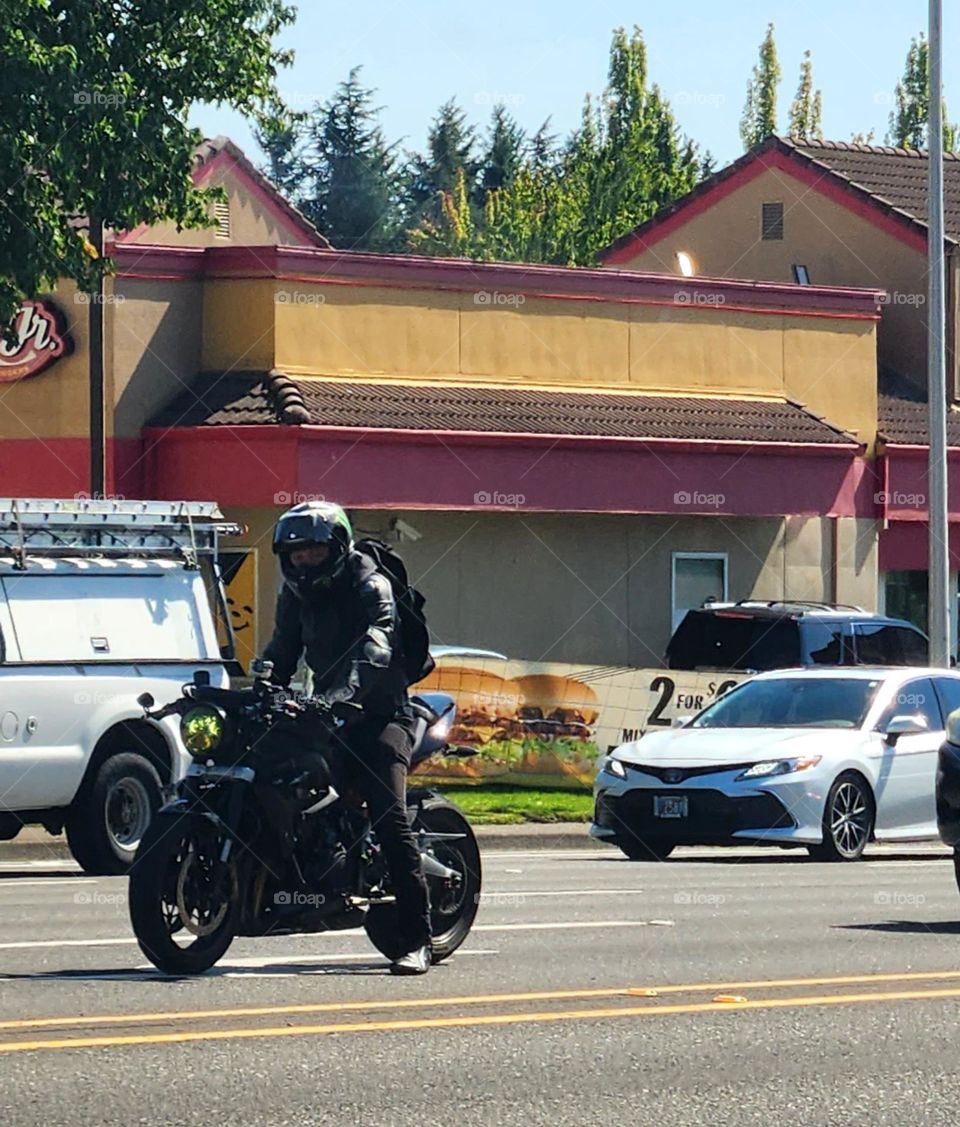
826 758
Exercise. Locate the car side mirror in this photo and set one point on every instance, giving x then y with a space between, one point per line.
146 701
680 721
906 725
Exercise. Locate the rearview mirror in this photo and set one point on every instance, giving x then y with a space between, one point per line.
905 726
146 701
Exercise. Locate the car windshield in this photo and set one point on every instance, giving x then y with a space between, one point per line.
792 702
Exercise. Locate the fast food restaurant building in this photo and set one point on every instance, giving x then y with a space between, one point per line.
568 458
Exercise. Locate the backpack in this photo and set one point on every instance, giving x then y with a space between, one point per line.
414 636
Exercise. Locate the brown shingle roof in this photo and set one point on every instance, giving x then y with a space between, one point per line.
249 399
896 178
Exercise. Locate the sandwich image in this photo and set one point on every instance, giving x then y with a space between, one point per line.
486 703
553 707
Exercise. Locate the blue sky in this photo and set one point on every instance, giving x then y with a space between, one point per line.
541 57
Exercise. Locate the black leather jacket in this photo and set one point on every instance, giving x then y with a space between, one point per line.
348 635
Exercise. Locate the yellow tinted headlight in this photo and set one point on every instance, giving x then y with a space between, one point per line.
201 730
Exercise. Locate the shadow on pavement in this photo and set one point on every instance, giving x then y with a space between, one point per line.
137 974
906 927
788 857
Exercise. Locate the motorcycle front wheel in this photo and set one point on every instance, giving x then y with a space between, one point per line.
184 901
453 907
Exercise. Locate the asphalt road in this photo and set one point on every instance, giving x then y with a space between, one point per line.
718 988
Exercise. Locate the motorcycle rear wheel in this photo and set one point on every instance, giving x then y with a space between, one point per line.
180 887
452 910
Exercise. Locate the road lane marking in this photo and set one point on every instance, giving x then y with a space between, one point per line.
475 1021
469 999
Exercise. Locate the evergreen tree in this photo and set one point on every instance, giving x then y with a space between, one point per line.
806 108
351 175
759 118
909 120
280 135
433 176
504 155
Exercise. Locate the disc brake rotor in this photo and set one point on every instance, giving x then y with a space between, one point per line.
196 914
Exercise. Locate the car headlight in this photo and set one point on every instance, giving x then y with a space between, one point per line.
614 766
201 729
953 727
771 767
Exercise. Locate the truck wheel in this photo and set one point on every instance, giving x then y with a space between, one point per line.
112 813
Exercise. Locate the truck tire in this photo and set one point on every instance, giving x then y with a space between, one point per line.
111 814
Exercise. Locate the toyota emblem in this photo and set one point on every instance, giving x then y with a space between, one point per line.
673 776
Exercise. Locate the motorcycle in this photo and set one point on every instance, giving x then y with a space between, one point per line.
257 840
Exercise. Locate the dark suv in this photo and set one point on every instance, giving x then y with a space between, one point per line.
754 636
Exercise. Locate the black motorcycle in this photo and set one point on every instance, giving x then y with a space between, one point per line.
257 839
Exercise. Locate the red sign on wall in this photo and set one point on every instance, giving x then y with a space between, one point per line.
41 339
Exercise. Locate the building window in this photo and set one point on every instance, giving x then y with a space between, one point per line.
697 577
801 275
686 264
771 226
221 212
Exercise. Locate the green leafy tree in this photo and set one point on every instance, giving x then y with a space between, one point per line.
759 118
910 117
352 182
806 109
96 96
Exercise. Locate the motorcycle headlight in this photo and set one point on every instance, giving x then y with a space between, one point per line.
201 730
772 767
439 730
614 766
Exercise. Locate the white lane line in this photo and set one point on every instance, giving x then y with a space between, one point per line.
13 885
125 941
518 894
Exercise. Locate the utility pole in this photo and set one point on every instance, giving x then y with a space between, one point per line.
939 598
98 438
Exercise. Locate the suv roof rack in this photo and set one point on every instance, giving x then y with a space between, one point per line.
777 604
98 527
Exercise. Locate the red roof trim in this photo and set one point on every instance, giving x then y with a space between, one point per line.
773 155
328 267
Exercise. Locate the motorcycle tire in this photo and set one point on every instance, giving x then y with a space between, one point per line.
159 880
452 912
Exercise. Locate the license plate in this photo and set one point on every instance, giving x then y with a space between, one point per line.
669 806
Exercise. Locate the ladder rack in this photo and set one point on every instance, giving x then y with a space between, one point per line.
110 529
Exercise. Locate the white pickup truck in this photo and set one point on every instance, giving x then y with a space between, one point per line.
101 601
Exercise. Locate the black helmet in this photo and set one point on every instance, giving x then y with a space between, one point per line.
305 526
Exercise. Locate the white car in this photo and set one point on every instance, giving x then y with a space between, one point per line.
826 758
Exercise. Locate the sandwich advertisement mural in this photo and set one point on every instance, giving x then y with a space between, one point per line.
543 724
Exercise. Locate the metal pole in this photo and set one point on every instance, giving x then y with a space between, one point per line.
98 444
939 550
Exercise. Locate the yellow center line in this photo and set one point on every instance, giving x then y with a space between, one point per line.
468 1000
477 1020
264 1011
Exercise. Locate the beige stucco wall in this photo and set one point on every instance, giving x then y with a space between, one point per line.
594 589
251 224
837 246
156 346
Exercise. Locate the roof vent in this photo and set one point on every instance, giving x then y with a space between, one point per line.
221 212
772 221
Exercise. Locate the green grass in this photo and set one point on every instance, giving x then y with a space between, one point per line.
514 805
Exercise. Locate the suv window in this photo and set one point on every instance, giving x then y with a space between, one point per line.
915 698
734 640
888 644
823 643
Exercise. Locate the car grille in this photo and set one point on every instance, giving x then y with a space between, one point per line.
681 774
711 817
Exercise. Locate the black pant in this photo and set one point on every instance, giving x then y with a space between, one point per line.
375 755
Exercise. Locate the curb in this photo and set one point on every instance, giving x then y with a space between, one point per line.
34 844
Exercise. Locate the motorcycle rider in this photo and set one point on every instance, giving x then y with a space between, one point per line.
339 612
